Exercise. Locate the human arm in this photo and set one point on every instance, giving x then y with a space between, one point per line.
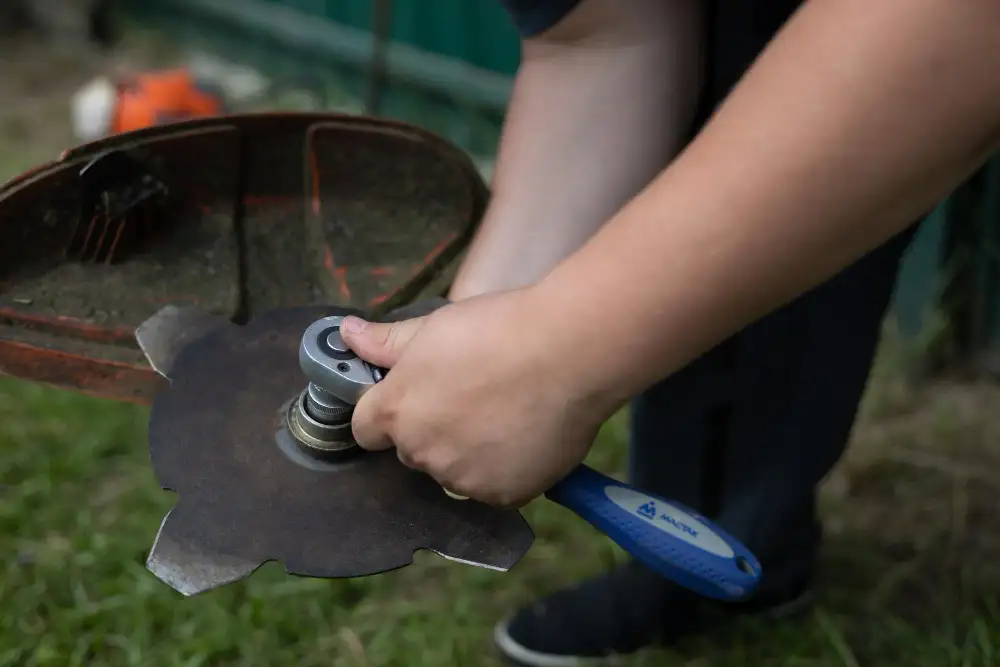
857 119
601 102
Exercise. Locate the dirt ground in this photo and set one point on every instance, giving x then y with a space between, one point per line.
34 119
912 513
36 82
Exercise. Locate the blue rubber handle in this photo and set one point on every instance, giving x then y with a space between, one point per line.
667 537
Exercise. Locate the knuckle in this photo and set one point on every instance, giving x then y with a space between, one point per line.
405 458
386 413
391 337
504 500
422 458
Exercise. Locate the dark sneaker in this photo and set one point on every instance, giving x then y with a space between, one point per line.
619 613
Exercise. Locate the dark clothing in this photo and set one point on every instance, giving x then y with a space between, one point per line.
738 30
535 16
745 433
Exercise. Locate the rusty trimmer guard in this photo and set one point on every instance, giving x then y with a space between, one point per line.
235 215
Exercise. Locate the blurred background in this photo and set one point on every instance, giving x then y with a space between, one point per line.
912 564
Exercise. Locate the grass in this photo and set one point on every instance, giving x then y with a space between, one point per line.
910 574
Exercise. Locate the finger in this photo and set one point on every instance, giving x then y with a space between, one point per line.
377 343
405 458
370 423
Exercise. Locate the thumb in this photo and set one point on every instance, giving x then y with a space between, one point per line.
378 343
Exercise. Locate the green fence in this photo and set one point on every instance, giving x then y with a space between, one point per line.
971 297
476 32
449 67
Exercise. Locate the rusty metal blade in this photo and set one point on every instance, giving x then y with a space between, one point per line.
165 334
216 438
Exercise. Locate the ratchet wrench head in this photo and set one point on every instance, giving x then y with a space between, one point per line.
329 364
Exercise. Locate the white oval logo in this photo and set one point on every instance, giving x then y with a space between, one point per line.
669 519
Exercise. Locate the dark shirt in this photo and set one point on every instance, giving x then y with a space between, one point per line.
534 16
736 32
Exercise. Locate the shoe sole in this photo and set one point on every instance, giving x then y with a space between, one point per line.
794 607
522 656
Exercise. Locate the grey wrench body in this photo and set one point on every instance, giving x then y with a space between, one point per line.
332 367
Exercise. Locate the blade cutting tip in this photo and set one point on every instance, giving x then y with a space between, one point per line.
498 548
485 566
190 571
169 330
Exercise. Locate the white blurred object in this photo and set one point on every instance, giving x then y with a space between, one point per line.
92 109
237 82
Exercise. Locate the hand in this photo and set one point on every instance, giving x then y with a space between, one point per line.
482 396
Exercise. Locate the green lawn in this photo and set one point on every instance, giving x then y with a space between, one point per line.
911 575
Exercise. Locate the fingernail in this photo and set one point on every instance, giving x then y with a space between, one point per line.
354 325
453 495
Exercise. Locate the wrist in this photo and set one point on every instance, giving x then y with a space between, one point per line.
473 278
464 290
572 324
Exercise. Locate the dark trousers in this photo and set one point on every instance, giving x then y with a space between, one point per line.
745 433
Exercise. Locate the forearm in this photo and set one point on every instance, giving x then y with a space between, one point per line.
617 95
858 118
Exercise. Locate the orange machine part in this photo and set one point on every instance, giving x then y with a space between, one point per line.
153 98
